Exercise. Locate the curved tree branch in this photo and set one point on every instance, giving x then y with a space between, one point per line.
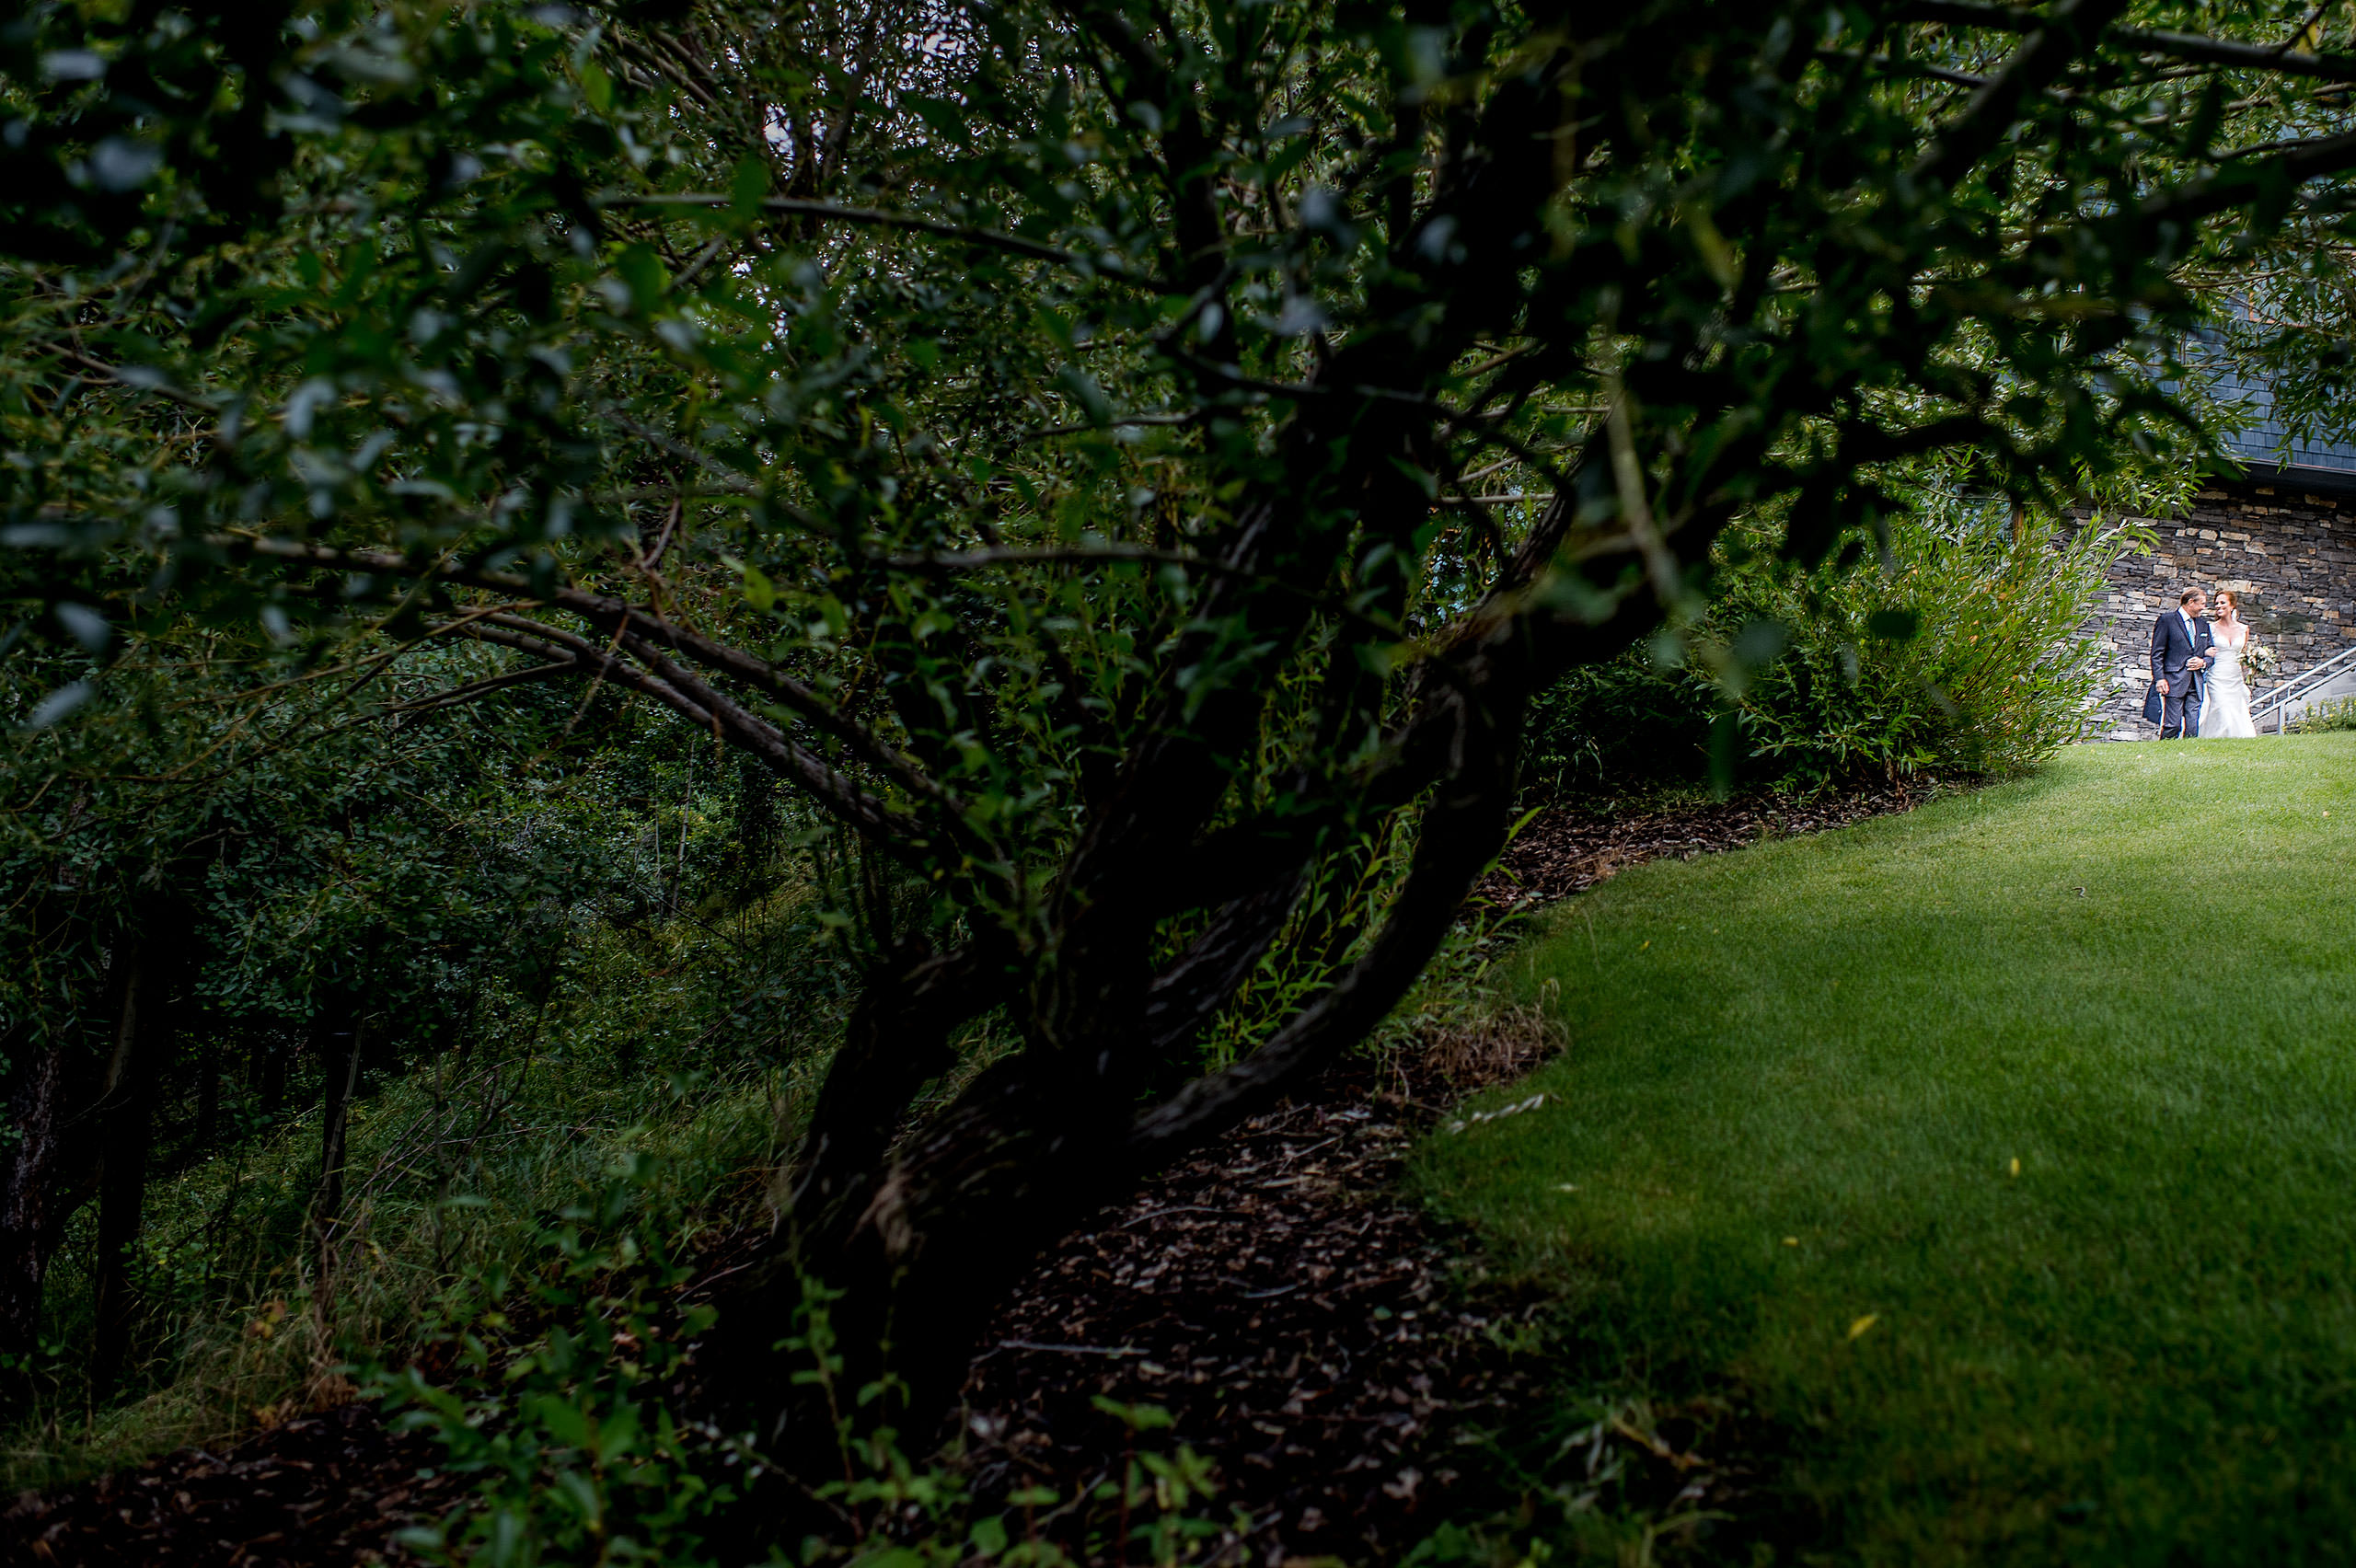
994 239
457 697
2241 182
607 612
1464 830
2179 45
1189 993
677 689
550 644
2064 34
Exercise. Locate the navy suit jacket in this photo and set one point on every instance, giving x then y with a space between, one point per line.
2172 646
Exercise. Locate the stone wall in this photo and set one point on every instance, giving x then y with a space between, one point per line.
2289 553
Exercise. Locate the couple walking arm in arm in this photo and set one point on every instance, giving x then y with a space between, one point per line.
2193 671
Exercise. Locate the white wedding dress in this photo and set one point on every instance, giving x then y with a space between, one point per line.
2224 707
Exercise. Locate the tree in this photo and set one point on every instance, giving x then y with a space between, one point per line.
214 860
1050 443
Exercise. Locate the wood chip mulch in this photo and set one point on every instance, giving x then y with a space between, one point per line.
1565 851
328 1488
1307 1327
1303 1325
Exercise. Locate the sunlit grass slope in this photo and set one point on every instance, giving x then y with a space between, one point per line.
1779 1156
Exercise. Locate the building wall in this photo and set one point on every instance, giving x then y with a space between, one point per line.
2290 554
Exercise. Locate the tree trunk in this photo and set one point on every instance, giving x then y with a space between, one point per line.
906 1280
123 1117
28 1180
266 1074
910 1248
126 1128
341 1040
909 1240
207 1126
122 1188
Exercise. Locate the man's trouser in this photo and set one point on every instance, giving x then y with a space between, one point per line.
2180 715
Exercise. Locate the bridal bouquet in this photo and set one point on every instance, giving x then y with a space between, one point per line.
2258 663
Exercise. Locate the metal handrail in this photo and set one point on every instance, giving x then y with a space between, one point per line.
2278 701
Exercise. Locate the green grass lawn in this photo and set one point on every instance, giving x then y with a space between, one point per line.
2135 975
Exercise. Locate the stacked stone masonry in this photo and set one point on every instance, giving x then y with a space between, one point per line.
2289 553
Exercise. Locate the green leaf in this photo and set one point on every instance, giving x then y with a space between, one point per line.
759 591
1136 1417
940 115
563 1420
597 87
1895 626
748 185
892 1557
581 1493
644 273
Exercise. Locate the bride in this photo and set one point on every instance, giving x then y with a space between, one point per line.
2224 710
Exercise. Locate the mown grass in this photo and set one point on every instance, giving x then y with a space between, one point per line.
1778 1157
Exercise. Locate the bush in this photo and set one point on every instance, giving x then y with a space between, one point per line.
1963 652
558 1385
2327 716
578 1457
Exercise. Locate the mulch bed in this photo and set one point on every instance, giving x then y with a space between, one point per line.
1566 852
329 1488
1305 1328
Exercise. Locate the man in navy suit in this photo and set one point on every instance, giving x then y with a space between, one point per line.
2180 645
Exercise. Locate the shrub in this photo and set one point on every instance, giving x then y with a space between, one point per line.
552 1401
1963 652
559 1385
2328 716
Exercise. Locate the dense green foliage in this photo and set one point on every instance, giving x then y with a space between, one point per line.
459 317
1965 654
612 931
1776 1164
579 1461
